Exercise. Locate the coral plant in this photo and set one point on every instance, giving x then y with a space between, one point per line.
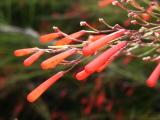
104 45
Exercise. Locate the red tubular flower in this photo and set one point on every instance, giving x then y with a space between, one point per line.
101 59
109 106
66 40
82 75
94 46
100 100
152 80
108 62
88 110
98 83
127 22
101 68
55 60
37 92
49 37
23 52
127 60
29 61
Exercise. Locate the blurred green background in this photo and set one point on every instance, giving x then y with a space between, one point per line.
122 85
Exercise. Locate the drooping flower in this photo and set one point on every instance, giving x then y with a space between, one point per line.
67 40
49 37
152 80
127 22
55 60
108 62
37 92
101 59
30 60
94 46
25 51
93 38
147 16
82 75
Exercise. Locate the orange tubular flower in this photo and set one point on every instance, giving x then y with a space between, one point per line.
93 38
101 59
55 60
37 92
66 40
49 37
104 3
146 16
82 75
23 52
152 80
94 46
29 61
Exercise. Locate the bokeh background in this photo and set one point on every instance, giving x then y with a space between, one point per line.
118 93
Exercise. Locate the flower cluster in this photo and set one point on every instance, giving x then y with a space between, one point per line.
106 45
